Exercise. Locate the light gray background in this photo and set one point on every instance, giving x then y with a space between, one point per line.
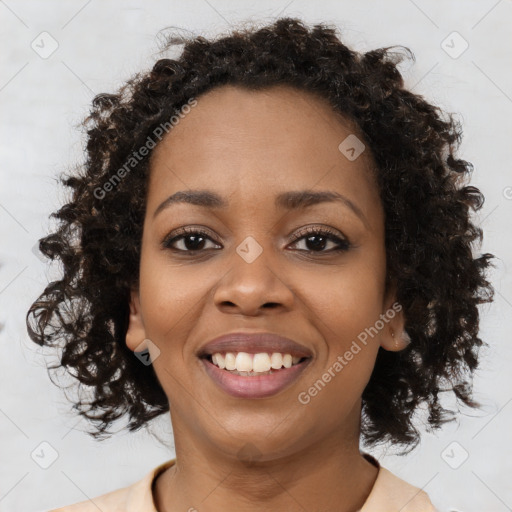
100 44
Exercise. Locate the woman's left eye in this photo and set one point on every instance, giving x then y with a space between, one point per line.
194 240
323 238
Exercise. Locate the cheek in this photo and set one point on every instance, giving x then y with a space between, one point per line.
347 298
347 358
171 298
171 307
345 305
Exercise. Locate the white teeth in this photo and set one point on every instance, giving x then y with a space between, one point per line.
243 362
229 361
218 360
261 362
276 360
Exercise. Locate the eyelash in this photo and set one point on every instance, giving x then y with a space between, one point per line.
343 243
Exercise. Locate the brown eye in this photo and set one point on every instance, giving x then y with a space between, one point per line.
193 240
317 239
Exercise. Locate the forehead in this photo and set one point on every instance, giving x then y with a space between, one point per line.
254 144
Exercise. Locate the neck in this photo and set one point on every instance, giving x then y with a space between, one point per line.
325 476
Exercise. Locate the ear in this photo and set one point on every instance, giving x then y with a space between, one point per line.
393 337
136 333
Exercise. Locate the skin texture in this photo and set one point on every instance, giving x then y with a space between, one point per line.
249 146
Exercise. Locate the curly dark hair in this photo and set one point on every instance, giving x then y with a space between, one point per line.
422 185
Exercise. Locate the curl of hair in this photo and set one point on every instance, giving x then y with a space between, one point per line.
422 185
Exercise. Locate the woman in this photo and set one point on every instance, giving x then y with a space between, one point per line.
271 240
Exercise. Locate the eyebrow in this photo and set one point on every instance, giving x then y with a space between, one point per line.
293 200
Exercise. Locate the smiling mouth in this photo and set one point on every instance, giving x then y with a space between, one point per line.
250 384
278 363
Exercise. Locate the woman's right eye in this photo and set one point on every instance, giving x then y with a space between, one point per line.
191 240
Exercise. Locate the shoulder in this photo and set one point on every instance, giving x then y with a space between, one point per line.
406 496
137 497
392 494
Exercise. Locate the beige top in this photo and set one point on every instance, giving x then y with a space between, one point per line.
389 494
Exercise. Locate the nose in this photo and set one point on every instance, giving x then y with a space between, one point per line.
253 286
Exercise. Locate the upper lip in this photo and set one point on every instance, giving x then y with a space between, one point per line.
254 343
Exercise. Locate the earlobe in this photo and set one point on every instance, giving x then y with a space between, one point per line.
394 337
398 341
136 333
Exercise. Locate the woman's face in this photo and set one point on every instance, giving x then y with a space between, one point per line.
248 148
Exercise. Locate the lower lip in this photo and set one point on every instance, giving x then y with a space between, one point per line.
254 386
